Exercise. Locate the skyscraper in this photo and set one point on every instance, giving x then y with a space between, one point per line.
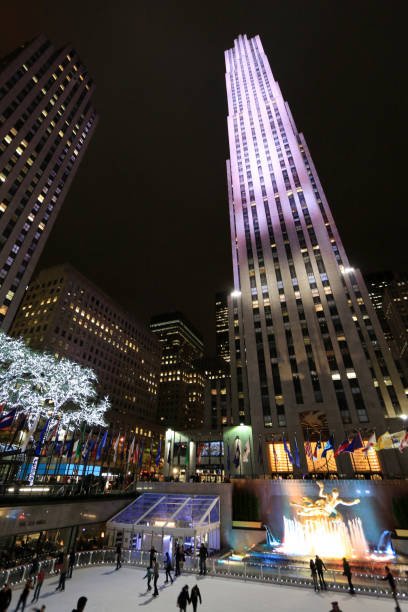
308 355
222 326
46 120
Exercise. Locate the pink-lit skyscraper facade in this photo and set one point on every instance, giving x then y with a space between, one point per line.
46 120
306 345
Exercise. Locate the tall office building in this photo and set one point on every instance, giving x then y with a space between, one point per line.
395 307
46 121
182 381
222 326
308 355
65 313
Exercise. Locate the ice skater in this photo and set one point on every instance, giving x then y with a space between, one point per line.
347 573
40 580
23 596
153 552
71 563
149 576
319 566
393 587
169 568
81 604
63 574
156 577
203 553
5 597
118 556
195 596
313 572
183 599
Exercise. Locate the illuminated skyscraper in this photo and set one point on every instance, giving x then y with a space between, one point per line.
308 356
46 121
222 326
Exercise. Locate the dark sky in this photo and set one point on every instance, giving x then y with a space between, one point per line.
147 215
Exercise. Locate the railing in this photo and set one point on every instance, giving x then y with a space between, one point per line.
290 575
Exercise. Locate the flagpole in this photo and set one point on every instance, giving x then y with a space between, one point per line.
108 455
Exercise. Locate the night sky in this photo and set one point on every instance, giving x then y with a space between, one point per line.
147 215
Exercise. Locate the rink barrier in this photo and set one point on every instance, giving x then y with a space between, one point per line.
287 575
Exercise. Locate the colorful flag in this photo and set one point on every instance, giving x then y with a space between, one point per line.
237 454
372 441
79 442
275 456
246 453
20 425
115 448
260 454
328 446
141 454
158 453
29 434
101 445
200 451
308 449
131 449
342 447
404 442
7 420
388 440
40 441
297 458
287 451
316 450
355 444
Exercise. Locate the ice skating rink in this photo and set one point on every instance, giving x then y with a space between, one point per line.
109 590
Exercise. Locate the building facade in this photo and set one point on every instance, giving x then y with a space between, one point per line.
222 326
63 312
308 356
181 390
395 308
46 121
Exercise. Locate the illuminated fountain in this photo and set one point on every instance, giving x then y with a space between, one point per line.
320 529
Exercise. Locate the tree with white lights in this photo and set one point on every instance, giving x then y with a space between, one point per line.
41 386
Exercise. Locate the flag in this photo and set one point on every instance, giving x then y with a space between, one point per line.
260 454
297 458
30 434
275 456
355 444
228 457
187 460
85 450
246 453
169 453
131 449
317 448
388 440
141 454
200 450
101 445
158 453
372 441
20 426
289 454
151 452
7 420
237 454
308 449
328 446
342 447
40 441
79 442
115 448
404 442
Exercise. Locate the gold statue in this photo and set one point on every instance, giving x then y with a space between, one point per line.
324 507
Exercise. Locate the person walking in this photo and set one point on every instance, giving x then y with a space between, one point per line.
81 604
313 572
393 587
155 577
347 573
118 556
183 599
40 580
178 557
23 596
195 596
203 553
319 566
169 568
149 576
5 597
71 563
63 574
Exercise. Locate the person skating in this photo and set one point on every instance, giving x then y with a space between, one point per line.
169 568
81 604
23 596
183 599
393 587
149 576
347 573
182 557
118 556
335 607
313 572
71 563
155 577
203 553
153 552
5 597
40 580
59 561
63 574
319 566
195 596
34 569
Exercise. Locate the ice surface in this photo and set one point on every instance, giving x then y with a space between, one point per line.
109 590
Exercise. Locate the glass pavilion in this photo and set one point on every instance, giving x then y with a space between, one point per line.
161 520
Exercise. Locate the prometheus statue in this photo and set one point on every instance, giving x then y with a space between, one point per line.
324 506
